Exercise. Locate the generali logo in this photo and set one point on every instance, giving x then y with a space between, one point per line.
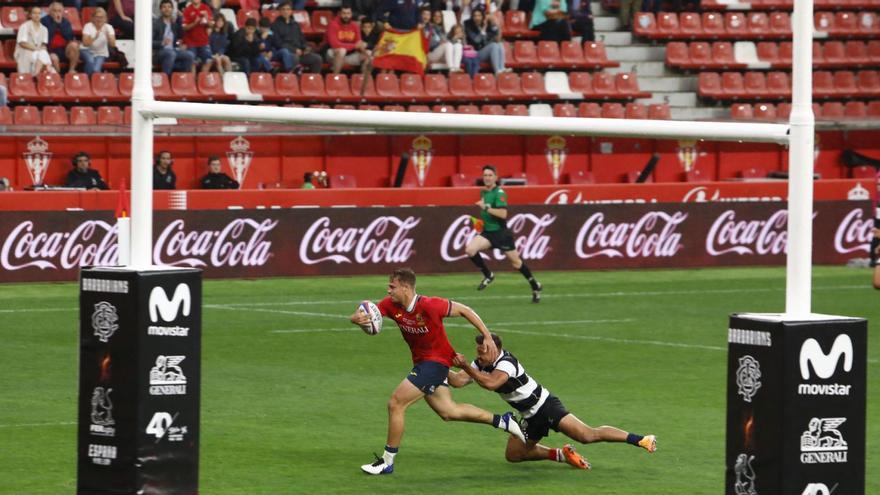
528 230
169 309
654 235
384 240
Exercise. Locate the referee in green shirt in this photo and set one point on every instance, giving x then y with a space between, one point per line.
495 234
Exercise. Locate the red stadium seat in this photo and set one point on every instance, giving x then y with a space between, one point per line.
589 110
548 54
645 25
765 111
412 87
855 109
338 87
395 108
462 180
845 84
183 85
533 85
628 86
343 181
427 109
361 90
270 14
818 54
690 25
823 21
753 173
832 110
677 54
713 25
21 87
874 109
311 86
863 172
468 109
12 17
485 86
659 111
823 84
709 85
783 111
856 53
736 25
492 110
572 54
581 82
868 83
210 85
6 116
7 51
78 87
436 87
87 13
780 24
83 116
126 84
50 87
109 115
635 111
845 24
162 86
612 110
374 108
126 115
755 84
581 177
759 25
785 53
564 110
778 84
595 55
667 25
286 86
461 86
700 54
695 175
27 115
733 85
517 110
723 57
72 16
388 86
244 14
344 107
835 54
868 25
768 51
526 53
516 24
55 115
603 85
261 83
509 86
320 20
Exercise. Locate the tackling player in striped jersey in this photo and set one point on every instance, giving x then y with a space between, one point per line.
540 409
420 320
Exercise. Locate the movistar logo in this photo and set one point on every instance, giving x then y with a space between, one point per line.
824 365
169 309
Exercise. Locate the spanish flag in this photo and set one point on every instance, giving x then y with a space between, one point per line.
401 50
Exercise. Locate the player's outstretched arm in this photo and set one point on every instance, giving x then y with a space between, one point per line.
359 318
474 319
458 379
489 381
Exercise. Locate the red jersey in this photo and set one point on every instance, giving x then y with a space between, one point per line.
422 328
341 35
198 35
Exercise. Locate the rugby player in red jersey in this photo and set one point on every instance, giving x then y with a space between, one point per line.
420 319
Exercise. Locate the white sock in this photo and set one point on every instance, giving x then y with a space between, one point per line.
388 457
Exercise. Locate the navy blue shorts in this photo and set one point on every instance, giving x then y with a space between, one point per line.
428 375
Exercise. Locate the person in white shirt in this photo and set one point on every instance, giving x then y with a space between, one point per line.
98 38
30 45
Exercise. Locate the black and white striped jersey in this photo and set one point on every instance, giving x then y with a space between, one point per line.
521 391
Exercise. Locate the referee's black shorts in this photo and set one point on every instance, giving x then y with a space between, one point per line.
500 239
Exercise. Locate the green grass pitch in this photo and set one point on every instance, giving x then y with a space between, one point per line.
294 396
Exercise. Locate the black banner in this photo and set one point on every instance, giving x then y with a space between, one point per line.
140 350
796 406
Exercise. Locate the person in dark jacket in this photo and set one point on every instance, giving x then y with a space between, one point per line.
163 176
402 15
289 38
62 45
484 35
245 49
215 178
219 42
167 50
83 175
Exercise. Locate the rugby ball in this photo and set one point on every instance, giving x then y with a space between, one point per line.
371 310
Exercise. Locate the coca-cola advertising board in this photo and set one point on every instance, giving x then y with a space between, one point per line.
42 246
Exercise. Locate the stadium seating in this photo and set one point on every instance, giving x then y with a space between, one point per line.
83 116
27 115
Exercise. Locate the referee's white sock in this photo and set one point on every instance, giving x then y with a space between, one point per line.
388 455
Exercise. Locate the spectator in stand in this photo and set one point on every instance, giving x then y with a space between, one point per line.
4 184
457 40
216 179
198 19
483 34
370 33
307 181
292 43
269 47
439 48
31 54
62 45
244 49
489 7
402 15
83 175
628 8
582 19
98 38
344 38
122 17
168 51
220 37
157 10
550 18
3 94
163 176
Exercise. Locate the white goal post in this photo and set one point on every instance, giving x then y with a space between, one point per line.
797 134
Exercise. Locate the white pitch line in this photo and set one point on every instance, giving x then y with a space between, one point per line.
27 425
617 340
313 330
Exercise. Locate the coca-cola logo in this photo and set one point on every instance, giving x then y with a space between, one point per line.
242 242
854 233
762 237
92 242
528 230
654 235
384 240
